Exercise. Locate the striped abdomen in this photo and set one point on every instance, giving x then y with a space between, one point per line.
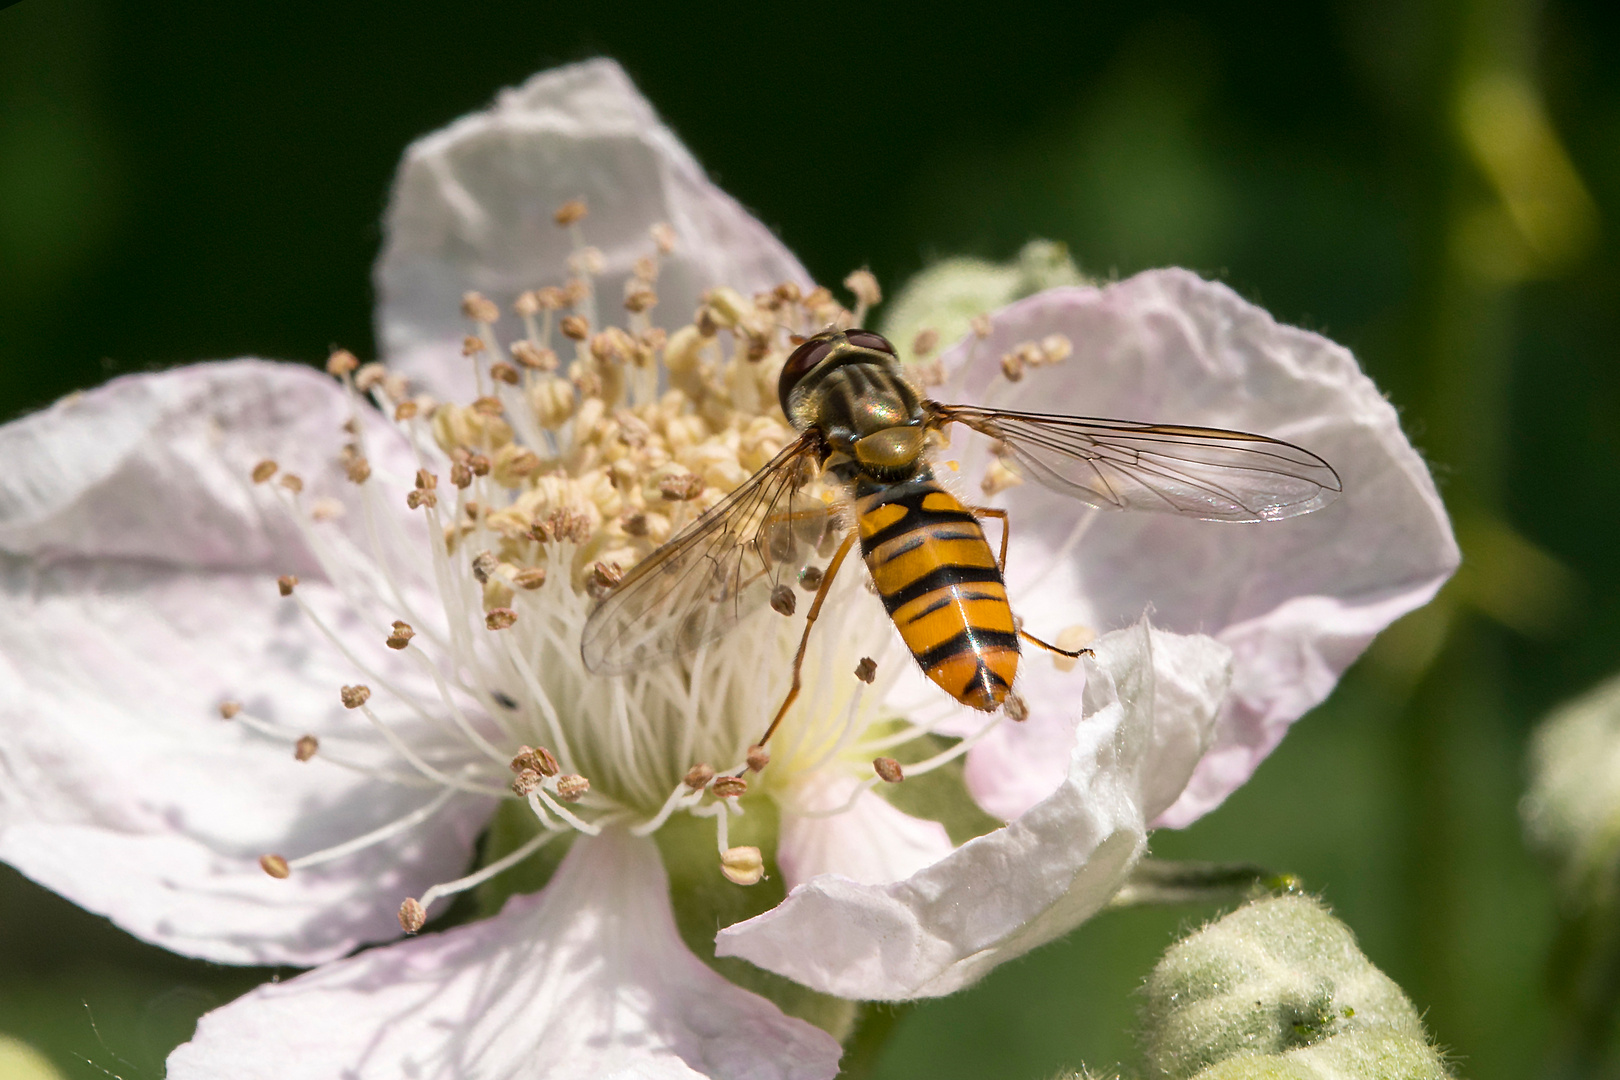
939 581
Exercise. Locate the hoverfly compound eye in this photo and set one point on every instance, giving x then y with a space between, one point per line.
866 339
798 365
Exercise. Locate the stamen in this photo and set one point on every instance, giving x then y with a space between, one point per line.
473 880
376 836
888 770
742 865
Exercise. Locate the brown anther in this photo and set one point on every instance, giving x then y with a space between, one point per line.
570 212
572 788
526 781
758 758
810 578
980 324
229 710
504 373
639 300
743 865
698 776
287 583
1056 348
479 308
680 487
602 579
1012 366
818 297
866 670
551 298
645 269
534 357
275 866
575 327
788 292
1016 708
412 915
539 531
352 425
634 524
707 325
544 763
305 747
759 347
729 787
483 565
527 304
418 499
575 290
354 696
358 470
479 464
401 635
783 602
663 238
500 618
925 342
572 525
426 481
292 482
264 470
342 362
472 345
461 475
863 285
888 769
406 410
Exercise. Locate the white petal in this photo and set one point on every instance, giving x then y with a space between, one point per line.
1297 600
1150 698
587 978
871 842
137 593
472 209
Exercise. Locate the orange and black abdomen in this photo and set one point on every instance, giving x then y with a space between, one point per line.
939 581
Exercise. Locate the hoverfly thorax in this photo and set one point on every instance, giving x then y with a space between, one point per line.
847 385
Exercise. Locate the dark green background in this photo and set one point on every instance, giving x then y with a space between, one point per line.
184 182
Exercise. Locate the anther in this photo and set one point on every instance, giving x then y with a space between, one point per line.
504 373
358 470
325 508
980 325
426 481
639 300
863 285
634 524
644 269
369 377
663 238
925 342
274 865
483 565
729 787
574 327
570 212
412 915
354 696
1016 708
758 758
998 477
461 475
264 470
472 345
292 482
788 292
783 602
535 357
866 670
500 619
287 583
526 782
810 578
342 362
487 406
305 747
228 710
479 464
406 410
602 579
536 759
698 776
743 865
1056 348
680 487
572 787
479 308
531 577
1012 366
888 769
401 636
418 499
527 304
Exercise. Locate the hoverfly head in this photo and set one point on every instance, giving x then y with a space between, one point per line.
816 348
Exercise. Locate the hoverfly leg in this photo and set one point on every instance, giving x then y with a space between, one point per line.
804 641
1006 530
1072 654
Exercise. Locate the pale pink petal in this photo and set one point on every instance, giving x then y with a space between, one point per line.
587 978
1149 700
870 842
1297 600
472 209
137 593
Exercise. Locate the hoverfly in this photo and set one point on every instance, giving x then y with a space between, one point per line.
864 426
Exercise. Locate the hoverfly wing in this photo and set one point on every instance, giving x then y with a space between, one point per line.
1121 465
716 571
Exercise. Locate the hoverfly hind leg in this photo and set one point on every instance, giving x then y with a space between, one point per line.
1072 654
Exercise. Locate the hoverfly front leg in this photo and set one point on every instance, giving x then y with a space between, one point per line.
804 641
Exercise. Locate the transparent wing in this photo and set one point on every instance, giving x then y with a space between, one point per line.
717 570
1120 465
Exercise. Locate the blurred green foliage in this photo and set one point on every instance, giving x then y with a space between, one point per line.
1434 183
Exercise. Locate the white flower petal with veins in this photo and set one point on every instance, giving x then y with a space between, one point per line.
1148 693
472 209
1297 600
871 842
137 593
587 978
